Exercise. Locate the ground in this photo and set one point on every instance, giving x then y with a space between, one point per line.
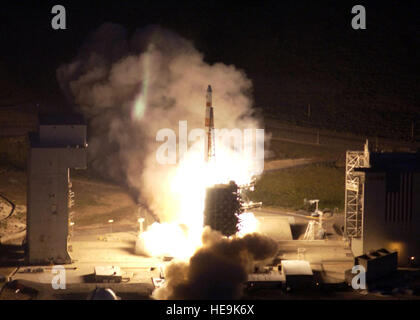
96 202
289 187
329 258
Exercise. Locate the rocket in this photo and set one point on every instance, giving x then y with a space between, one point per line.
209 124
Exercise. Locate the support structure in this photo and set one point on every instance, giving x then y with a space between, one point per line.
223 206
354 192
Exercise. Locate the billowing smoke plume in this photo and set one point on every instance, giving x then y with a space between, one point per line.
218 269
131 87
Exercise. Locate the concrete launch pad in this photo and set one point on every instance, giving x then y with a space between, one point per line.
329 257
98 247
89 251
275 227
328 260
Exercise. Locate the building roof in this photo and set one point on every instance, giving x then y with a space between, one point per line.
61 119
392 161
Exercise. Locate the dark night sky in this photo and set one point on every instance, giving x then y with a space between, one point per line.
296 52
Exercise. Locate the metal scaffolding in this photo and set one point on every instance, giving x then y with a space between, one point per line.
354 195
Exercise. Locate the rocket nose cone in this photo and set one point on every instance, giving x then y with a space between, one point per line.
209 88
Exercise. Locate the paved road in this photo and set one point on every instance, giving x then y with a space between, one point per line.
310 136
288 163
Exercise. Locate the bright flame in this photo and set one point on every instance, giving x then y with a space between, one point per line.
182 237
248 223
165 239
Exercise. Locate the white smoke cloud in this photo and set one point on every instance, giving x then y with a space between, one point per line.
131 87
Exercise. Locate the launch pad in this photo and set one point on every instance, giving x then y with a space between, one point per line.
95 251
93 248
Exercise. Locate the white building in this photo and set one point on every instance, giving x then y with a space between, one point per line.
59 145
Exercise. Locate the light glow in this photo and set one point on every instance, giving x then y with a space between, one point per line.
181 237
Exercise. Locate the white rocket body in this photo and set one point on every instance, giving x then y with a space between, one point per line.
209 124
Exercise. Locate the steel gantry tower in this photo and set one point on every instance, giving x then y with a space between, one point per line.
354 191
